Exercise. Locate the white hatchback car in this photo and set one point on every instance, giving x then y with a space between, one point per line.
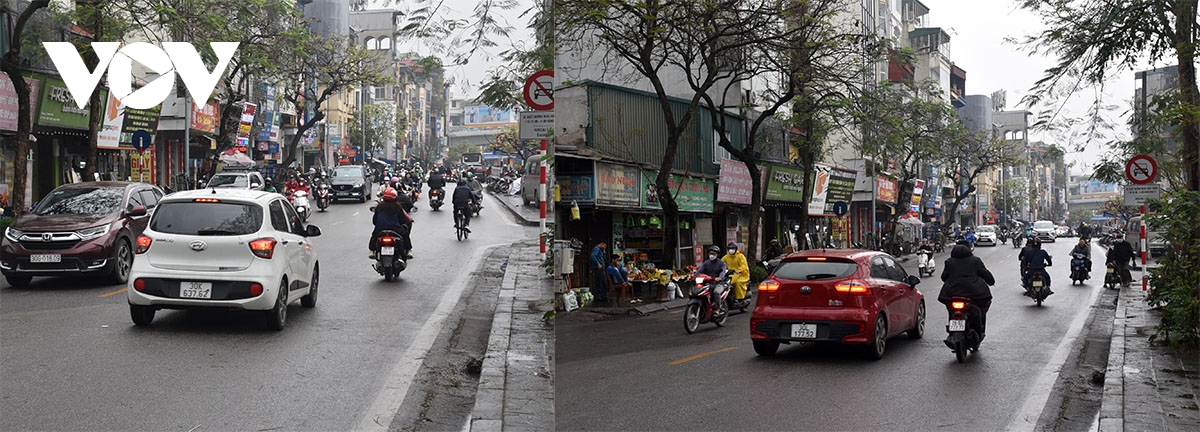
224 248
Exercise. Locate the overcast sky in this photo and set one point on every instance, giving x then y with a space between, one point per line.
977 31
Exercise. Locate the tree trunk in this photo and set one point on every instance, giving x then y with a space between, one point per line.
755 210
1189 96
669 206
10 63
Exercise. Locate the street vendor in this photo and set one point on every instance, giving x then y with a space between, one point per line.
736 262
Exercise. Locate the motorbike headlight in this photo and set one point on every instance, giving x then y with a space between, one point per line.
91 233
13 234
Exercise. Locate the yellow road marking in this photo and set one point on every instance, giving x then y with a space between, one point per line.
336 223
355 214
688 359
113 292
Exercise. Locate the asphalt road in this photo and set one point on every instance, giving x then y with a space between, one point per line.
71 358
648 374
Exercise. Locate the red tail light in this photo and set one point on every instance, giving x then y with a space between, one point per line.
143 244
256 289
263 247
139 284
768 286
853 287
206 200
958 305
386 240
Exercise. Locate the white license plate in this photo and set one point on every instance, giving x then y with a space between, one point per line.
1112 270
957 325
1037 284
804 331
343 193
45 258
196 290
387 250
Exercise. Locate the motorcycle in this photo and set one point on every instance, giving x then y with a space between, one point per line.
1003 237
1111 277
1017 241
925 264
323 196
1038 289
477 205
961 338
300 202
1079 268
436 198
387 262
702 307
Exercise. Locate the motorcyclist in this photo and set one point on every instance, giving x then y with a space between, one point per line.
462 199
965 275
1085 249
389 215
736 261
436 182
473 183
268 186
1035 260
1120 255
714 266
774 250
926 248
1085 231
970 237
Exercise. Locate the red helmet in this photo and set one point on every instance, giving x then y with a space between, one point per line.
389 194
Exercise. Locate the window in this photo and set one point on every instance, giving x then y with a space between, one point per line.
297 226
815 270
149 198
207 219
718 152
895 272
879 270
134 201
369 43
385 43
81 201
380 93
279 219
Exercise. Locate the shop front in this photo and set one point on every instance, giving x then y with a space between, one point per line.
832 188
126 143
8 129
61 130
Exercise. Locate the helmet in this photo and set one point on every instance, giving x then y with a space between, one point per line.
470 174
732 245
714 248
1037 242
395 179
389 194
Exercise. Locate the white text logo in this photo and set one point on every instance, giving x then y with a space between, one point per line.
173 57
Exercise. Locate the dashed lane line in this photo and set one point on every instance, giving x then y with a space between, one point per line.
115 292
701 355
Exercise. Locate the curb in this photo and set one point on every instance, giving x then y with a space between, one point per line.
488 412
1112 403
516 213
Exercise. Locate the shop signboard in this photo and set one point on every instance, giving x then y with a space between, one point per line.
918 189
830 185
885 189
576 188
109 136
248 110
58 108
691 194
9 105
204 117
617 185
736 185
785 184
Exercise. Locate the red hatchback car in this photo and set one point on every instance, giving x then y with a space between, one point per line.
844 296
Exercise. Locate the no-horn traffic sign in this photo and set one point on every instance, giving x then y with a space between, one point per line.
539 90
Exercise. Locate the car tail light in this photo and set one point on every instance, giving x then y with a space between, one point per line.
815 259
852 287
958 305
143 244
206 200
139 284
256 289
263 247
769 286
386 240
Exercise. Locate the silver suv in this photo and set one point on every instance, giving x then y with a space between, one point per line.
1045 230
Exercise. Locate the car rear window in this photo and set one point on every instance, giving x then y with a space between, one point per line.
984 229
207 219
815 270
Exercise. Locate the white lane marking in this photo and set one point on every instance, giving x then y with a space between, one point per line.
379 416
1039 394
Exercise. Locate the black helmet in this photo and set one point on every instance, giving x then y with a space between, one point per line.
1037 242
733 245
714 248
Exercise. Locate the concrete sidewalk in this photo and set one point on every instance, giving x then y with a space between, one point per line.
516 384
526 215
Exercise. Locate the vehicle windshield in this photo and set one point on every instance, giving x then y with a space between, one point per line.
81 201
229 181
815 270
193 218
472 158
347 172
1043 225
986 229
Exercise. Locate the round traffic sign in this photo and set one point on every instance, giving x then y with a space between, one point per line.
839 208
539 90
141 140
1141 169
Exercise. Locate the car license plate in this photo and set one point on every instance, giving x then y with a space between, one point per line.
1112 270
197 290
1037 284
387 250
343 194
45 258
804 331
957 325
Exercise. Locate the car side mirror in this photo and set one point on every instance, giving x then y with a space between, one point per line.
255 184
137 211
912 280
312 231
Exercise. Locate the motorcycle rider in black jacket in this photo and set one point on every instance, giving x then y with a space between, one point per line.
965 275
462 199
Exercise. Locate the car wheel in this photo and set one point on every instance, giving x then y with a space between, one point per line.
124 261
142 315
767 348
878 338
691 318
277 316
310 300
18 281
918 329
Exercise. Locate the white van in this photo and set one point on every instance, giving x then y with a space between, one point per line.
1133 235
531 177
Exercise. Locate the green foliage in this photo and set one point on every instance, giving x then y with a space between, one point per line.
379 122
757 274
1175 283
5 222
456 152
1079 215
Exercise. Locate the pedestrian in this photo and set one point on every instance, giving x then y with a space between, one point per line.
600 277
1120 255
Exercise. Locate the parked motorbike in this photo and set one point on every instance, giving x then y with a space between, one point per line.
960 337
323 194
300 202
925 264
388 262
702 307
436 198
1079 268
1112 277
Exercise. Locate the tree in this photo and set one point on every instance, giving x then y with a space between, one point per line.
11 64
976 153
1154 135
1078 216
502 88
380 122
509 142
1094 37
324 67
1013 194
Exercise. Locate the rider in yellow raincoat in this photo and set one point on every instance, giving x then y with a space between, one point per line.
736 262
